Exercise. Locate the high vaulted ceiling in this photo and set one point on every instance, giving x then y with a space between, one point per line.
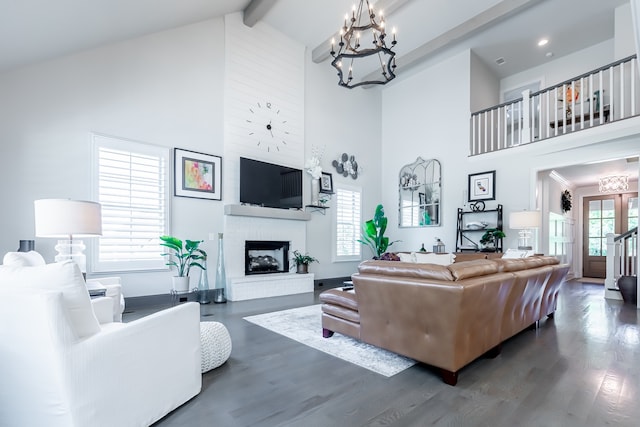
36 30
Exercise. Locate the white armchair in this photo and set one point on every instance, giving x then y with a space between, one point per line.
60 367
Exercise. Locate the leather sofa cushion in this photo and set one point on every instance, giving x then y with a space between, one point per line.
339 297
467 269
510 264
405 269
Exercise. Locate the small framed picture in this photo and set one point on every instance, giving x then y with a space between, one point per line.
197 175
326 183
422 199
482 186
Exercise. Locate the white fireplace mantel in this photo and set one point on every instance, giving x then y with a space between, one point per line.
261 212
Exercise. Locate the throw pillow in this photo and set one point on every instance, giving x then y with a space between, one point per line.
432 258
23 259
60 276
405 257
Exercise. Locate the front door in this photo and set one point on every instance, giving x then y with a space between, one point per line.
612 213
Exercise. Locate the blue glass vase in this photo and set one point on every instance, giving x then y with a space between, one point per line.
221 276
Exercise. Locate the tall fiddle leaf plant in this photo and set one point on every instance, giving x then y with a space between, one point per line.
185 255
373 233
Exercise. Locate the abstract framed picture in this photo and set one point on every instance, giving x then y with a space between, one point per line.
197 175
482 186
326 183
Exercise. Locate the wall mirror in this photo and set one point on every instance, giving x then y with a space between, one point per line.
420 194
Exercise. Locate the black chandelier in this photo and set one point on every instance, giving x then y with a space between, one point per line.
349 48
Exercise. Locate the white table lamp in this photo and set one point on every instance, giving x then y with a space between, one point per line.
524 221
69 219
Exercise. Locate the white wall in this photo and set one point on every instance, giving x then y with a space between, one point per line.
164 89
624 34
485 86
427 115
342 121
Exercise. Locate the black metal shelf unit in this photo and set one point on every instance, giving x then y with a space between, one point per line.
468 239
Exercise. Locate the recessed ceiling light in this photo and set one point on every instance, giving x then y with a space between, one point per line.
548 54
543 42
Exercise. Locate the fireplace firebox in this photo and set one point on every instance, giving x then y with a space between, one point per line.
266 256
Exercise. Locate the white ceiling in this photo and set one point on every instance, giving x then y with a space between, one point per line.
37 30
587 174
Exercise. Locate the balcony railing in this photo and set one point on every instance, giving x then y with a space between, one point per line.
601 96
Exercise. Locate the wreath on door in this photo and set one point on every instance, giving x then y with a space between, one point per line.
565 200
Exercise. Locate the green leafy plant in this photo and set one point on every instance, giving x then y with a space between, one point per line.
300 259
491 236
373 233
184 256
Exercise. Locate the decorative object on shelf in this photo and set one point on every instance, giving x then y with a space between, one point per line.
363 25
326 183
524 221
565 201
476 225
184 256
482 186
347 166
197 175
373 233
490 238
313 168
419 193
302 262
613 183
221 275
267 126
439 247
68 219
203 284
477 206
422 248
27 245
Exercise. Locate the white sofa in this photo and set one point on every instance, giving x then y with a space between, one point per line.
60 367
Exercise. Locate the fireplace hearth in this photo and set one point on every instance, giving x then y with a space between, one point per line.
266 257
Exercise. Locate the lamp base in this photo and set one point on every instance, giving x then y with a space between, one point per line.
73 250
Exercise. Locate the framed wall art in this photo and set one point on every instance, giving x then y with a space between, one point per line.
326 183
197 175
482 186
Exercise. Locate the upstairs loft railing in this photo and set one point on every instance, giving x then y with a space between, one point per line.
622 257
604 95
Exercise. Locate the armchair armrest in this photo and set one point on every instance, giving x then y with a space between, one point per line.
103 309
145 368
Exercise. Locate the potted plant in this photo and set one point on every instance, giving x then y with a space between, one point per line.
490 238
302 262
183 257
373 233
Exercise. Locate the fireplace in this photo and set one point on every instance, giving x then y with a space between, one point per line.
265 257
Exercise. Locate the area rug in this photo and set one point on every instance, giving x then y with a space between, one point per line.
304 325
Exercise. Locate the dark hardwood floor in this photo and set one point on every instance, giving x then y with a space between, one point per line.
580 369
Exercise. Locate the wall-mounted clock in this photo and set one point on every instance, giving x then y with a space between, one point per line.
267 126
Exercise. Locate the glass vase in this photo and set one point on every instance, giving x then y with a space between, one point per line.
203 285
221 275
315 192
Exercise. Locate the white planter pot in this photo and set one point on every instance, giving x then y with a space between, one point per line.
180 284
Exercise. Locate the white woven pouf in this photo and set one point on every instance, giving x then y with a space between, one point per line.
215 344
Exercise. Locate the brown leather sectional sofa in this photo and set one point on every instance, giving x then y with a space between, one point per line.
444 316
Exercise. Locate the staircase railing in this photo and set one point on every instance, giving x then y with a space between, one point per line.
606 94
622 259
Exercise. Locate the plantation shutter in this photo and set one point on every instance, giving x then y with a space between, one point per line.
132 187
348 224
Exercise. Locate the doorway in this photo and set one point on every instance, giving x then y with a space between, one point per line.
604 214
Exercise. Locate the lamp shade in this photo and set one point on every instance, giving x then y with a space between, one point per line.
524 219
65 218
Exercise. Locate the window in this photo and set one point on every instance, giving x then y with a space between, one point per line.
131 184
348 224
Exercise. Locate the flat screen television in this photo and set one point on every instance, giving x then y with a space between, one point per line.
270 185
